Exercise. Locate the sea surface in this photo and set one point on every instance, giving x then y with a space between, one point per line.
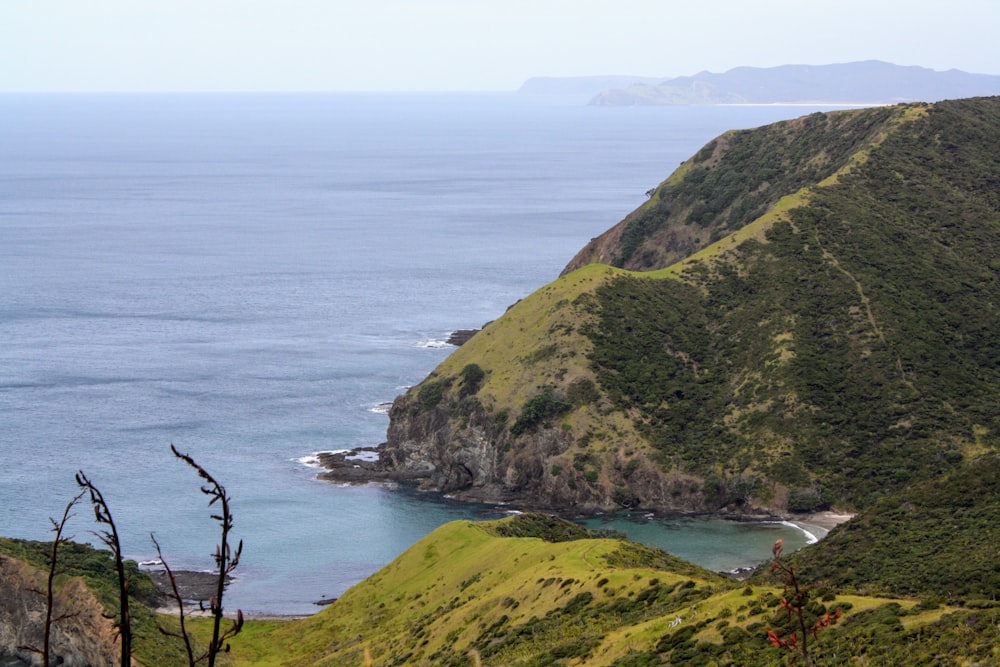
254 277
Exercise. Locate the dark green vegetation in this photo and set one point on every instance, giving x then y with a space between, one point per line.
739 176
854 348
542 526
538 410
939 540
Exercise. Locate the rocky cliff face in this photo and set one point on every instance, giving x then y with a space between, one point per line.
84 638
475 458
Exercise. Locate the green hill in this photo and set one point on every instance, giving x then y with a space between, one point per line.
502 593
804 314
536 590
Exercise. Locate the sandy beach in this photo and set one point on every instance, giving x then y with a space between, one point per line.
821 523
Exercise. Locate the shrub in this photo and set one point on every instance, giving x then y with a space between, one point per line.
582 391
538 410
432 392
472 378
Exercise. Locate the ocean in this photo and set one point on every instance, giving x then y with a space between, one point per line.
254 277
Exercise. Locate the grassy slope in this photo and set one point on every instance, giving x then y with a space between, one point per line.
463 595
503 593
517 349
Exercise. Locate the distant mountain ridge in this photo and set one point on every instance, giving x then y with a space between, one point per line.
584 87
865 82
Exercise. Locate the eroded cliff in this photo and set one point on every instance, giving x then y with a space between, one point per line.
81 638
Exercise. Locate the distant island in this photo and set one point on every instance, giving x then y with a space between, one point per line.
861 83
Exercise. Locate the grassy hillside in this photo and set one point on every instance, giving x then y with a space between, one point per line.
474 594
536 590
816 326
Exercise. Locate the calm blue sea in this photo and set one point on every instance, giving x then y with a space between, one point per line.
250 277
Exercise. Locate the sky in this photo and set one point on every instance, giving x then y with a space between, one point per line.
457 45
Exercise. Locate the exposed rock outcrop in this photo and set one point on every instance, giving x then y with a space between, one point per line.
84 637
474 459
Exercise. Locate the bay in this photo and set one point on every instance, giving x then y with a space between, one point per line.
249 277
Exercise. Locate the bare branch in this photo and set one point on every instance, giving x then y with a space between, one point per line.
183 635
102 515
50 619
225 560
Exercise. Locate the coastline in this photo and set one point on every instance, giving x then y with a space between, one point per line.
197 587
361 465
819 524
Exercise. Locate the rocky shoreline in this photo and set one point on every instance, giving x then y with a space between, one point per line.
360 466
195 588
363 466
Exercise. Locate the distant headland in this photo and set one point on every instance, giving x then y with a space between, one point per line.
869 82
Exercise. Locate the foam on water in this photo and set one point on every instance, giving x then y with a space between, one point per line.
312 460
433 344
810 537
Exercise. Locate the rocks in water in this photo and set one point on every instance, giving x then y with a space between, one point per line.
193 586
461 336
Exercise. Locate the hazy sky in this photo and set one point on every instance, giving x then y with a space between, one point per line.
403 45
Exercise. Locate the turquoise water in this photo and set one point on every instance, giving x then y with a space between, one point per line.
250 277
717 544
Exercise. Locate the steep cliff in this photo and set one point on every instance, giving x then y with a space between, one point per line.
805 314
84 637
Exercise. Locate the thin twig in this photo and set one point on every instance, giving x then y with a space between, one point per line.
102 514
225 560
50 619
183 635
